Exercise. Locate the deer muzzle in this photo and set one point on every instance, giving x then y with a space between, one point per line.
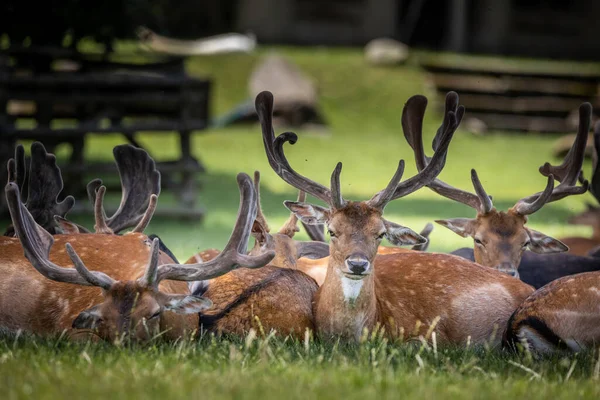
357 264
508 269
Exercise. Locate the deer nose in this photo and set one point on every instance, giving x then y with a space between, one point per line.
508 269
357 264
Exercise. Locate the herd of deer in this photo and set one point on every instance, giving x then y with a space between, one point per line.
110 284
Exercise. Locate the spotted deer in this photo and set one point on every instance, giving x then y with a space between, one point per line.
277 297
500 237
409 293
561 316
108 286
591 216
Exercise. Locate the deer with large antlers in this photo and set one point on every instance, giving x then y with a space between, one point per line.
500 237
124 285
277 297
407 293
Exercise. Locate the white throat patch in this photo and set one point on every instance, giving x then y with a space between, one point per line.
351 288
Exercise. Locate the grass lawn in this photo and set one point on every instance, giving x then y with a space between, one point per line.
363 106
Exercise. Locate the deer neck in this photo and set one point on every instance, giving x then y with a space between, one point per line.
344 306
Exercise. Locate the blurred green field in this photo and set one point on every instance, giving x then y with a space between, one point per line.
362 106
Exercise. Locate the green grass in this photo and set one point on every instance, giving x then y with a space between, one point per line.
362 106
273 369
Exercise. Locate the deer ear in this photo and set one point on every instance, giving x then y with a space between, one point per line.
88 319
461 226
184 304
400 235
308 213
541 243
67 227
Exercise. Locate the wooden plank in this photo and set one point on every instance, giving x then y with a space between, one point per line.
519 104
504 85
503 65
42 133
508 122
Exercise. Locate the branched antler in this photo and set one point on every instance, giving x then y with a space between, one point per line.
234 253
333 197
139 181
43 186
567 173
412 123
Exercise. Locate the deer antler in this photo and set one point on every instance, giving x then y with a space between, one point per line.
260 218
139 181
275 155
567 173
333 197
234 253
595 184
36 243
412 124
44 186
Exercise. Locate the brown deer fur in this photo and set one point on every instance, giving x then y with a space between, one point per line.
561 315
63 302
265 299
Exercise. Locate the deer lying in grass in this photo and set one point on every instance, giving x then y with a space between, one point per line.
132 289
563 315
276 297
409 294
500 237
582 245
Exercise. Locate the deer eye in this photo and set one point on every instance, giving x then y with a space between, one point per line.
381 235
331 233
478 241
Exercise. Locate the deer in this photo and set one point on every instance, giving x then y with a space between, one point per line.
130 290
561 316
500 238
275 298
406 294
582 246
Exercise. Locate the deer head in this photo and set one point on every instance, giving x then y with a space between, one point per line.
287 249
500 237
356 228
135 308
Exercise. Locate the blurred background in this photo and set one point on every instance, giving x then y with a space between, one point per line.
180 79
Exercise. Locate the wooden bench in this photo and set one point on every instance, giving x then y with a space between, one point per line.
520 95
104 97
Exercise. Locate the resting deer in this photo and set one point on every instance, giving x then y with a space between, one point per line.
582 245
563 315
500 237
407 293
276 297
132 289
